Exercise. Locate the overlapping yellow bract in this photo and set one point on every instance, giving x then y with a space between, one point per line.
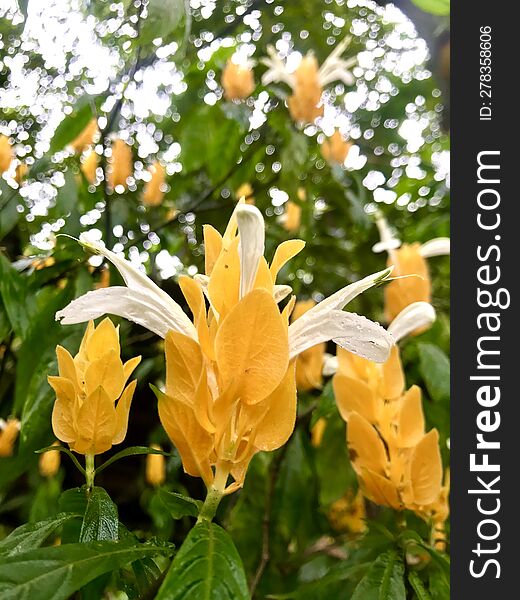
399 293
238 81
335 148
92 403
309 364
8 433
306 96
232 393
6 153
398 464
153 192
121 164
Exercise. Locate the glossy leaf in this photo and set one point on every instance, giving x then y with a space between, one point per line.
383 581
100 521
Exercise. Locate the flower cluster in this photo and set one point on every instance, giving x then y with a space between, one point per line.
238 80
230 376
92 403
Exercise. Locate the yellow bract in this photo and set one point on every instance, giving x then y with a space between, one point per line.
292 218
6 153
49 462
90 165
232 392
303 103
398 464
153 192
348 513
8 434
92 402
335 148
245 191
86 138
155 467
399 293
121 165
309 364
238 81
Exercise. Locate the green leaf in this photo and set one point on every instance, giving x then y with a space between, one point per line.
101 521
73 124
178 505
418 586
206 567
384 580
74 501
9 215
67 198
435 370
67 452
439 586
13 287
132 451
163 18
32 535
434 7
59 571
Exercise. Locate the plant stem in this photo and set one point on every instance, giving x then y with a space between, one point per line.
90 470
209 508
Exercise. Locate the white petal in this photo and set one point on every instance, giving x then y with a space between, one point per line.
392 244
388 240
281 292
139 282
436 247
353 332
417 314
251 228
123 302
330 364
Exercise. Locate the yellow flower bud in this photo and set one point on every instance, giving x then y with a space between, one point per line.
317 432
309 363
89 166
86 138
92 402
238 81
20 173
303 103
153 192
348 513
155 467
292 218
8 434
121 165
245 191
399 293
49 463
335 148
6 153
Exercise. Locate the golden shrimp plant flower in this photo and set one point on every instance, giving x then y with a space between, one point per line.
407 260
335 149
397 462
9 431
308 80
238 79
6 153
230 377
153 192
92 399
309 364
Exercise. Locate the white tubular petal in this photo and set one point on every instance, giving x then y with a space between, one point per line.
251 228
386 246
336 73
144 286
281 292
436 247
353 332
415 315
330 365
130 304
388 240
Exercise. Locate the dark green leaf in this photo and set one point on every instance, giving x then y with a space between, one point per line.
58 571
101 521
67 452
206 567
384 580
13 288
73 124
418 586
132 451
435 369
178 505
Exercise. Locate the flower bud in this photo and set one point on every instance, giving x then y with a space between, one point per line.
155 467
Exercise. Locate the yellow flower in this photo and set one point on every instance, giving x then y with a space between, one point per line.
398 464
245 191
412 283
348 513
8 433
230 377
89 166
20 172
86 138
6 153
153 192
238 81
49 462
42 263
292 218
305 99
121 165
155 467
335 148
92 403
309 364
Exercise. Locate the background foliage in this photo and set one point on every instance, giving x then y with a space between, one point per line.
151 74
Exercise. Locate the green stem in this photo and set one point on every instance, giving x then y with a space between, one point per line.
209 508
90 470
